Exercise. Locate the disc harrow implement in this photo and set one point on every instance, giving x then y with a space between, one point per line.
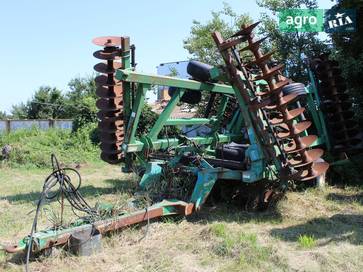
343 129
248 145
110 102
302 164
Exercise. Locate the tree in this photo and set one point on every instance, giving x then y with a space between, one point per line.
85 112
19 111
348 50
47 102
291 48
81 87
3 115
200 43
202 47
81 101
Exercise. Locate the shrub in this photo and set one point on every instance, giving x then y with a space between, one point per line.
33 147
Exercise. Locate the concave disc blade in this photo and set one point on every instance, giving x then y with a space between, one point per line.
109 92
106 69
107 41
303 142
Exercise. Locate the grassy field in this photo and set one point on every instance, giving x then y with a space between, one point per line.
314 230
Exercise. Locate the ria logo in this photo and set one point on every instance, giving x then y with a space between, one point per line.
340 20
317 20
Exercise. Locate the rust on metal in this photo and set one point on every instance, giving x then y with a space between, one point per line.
106 69
343 130
290 131
107 41
113 224
110 103
277 106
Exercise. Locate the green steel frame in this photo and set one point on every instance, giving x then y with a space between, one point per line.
313 102
207 175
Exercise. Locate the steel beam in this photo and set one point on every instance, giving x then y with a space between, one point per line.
173 142
187 121
132 76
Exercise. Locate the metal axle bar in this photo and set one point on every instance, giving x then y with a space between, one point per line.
47 239
173 142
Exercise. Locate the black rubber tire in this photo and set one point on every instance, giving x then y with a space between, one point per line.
199 70
297 88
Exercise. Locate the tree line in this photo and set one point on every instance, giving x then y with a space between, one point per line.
79 103
291 49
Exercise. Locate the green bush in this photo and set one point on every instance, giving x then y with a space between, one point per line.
33 147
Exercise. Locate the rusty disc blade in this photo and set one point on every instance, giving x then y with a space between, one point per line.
329 92
291 114
339 117
246 30
339 97
355 141
273 71
282 101
111 148
112 119
262 59
301 127
111 104
343 125
103 80
303 142
287 99
337 80
111 158
110 125
232 42
346 133
279 85
106 69
110 92
107 41
104 55
311 156
111 129
317 169
109 114
296 129
254 45
283 131
276 90
339 84
333 107
106 137
327 71
352 141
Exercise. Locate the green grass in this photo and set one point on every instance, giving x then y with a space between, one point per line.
33 147
218 238
306 241
219 230
243 248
